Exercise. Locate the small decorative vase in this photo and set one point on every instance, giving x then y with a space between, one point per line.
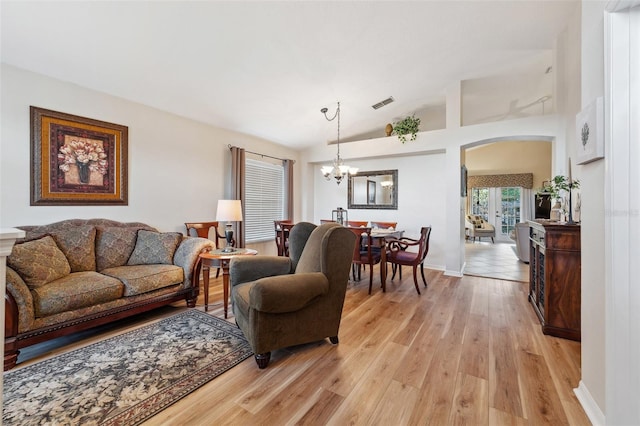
83 172
389 129
556 212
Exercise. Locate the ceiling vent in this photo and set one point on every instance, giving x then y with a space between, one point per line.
382 103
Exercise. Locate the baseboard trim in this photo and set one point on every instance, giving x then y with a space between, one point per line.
434 267
453 273
589 405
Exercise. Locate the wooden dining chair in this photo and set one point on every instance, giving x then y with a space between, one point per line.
282 228
357 223
203 229
398 255
363 253
384 225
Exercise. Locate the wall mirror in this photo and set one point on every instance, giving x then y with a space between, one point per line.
374 190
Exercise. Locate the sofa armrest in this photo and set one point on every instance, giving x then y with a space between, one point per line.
186 255
244 269
18 289
287 293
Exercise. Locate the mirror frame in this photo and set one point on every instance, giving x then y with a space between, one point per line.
394 191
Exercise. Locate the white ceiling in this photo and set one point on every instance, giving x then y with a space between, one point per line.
266 68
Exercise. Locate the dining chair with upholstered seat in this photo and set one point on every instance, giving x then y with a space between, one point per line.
363 254
282 228
399 255
357 223
384 225
203 229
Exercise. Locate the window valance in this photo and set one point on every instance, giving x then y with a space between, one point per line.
524 180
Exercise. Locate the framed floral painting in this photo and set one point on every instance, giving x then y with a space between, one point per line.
77 160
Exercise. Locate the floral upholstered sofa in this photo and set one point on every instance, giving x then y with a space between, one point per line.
79 273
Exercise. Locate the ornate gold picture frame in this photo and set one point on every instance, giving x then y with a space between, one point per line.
77 160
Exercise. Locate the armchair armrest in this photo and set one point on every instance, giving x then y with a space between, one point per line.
287 293
25 315
243 269
187 254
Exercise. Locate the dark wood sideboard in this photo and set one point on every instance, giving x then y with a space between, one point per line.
554 277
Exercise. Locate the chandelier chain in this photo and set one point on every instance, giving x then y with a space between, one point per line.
338 113
339 169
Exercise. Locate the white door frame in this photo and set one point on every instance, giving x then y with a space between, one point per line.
622 217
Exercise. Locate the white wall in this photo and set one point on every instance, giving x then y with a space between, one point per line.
178 168
443 146
421 190
593 217
512 157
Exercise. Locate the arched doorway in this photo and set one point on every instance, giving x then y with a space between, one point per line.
503 175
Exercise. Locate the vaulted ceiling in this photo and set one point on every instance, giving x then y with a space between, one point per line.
267 68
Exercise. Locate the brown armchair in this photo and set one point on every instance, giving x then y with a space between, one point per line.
285 301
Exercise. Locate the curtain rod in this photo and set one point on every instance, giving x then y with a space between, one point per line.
262 155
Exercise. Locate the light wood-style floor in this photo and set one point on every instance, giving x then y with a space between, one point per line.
468 351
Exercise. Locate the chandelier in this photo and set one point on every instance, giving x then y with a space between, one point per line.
339 170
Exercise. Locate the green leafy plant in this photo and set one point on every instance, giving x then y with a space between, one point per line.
557 184
406 126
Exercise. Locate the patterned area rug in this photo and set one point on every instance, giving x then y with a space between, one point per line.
125 379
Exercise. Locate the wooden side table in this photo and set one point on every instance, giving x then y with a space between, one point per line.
219 259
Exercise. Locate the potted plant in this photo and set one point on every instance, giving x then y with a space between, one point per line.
406 126
556 188
558 184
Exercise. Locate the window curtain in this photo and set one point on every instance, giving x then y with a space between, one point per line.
527 206
238 189
524 180
288 188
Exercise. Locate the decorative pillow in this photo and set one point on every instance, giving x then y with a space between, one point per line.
114 246
39 262
77 242
154 248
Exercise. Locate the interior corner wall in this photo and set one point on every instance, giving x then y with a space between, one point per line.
177 167
593 214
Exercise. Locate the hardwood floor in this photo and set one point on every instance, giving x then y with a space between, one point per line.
468 351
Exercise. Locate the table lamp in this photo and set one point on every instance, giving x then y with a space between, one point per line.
229 211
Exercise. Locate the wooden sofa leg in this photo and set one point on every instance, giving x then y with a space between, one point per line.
10 359
263 359
334 339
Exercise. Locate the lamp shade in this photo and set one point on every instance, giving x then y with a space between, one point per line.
229 211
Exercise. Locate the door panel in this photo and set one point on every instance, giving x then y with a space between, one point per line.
498 206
